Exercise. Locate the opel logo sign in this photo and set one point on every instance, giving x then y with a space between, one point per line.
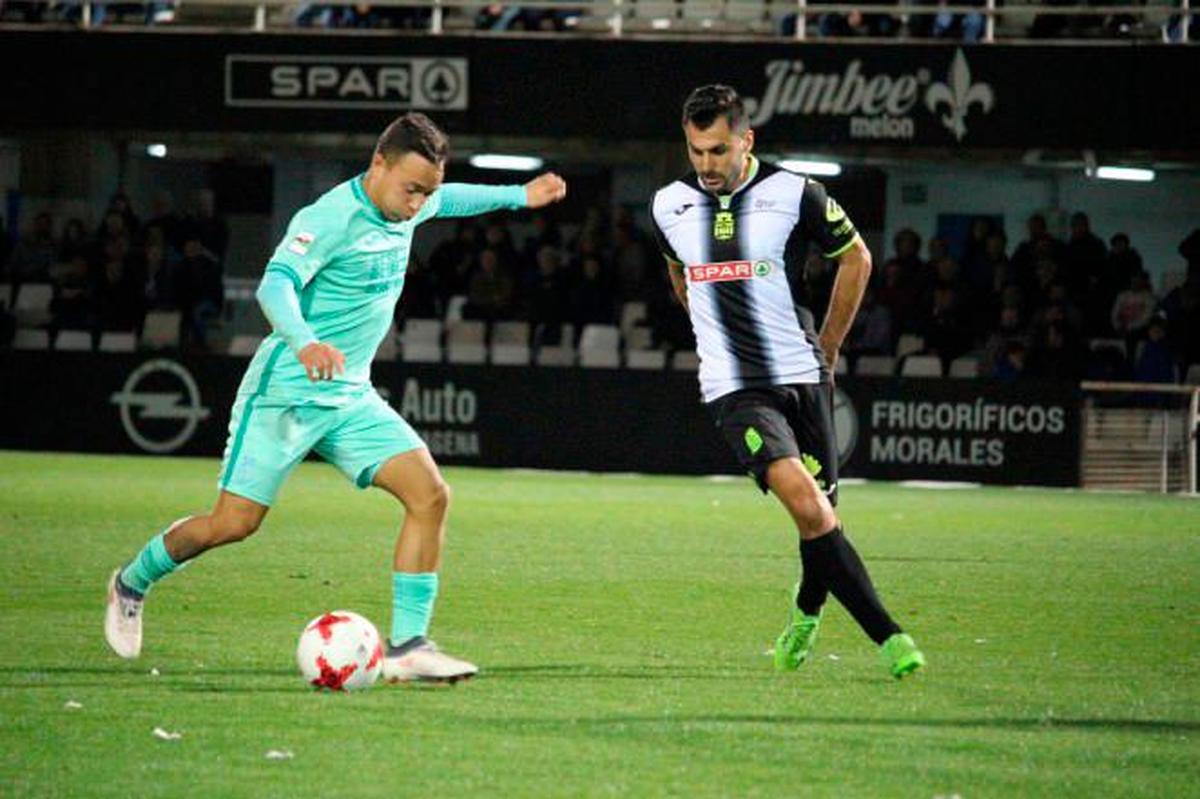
845 425
160 420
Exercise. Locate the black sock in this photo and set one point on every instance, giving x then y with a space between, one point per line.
813 590
832 558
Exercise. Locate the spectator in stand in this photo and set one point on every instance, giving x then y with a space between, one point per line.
1083 257
1155 363
208 228
199 291
119 204
899 294
71 307
547 297
453 261
948 333
74 241
1010 365
498 239
1122 263
630 264
164 216
113 228
1058 309
160 264
118 286
1133 309
35 252
545 234
5 248
1056 354
592 296
1182 307
1040 245
490 292
853 24
421 295
871 332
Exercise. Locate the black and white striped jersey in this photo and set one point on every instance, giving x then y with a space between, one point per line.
743 256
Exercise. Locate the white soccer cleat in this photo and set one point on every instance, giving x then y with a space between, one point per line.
419 660
123 620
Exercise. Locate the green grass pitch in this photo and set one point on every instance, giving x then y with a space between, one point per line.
621 623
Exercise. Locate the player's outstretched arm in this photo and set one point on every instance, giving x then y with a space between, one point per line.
472 199
281 305
854 270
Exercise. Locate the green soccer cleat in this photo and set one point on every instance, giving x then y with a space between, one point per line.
795 643
901 656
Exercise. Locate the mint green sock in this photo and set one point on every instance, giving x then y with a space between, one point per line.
412 604
151 565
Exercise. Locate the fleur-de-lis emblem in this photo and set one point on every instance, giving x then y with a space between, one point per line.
958 94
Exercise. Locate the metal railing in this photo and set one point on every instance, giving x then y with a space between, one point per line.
619 17
1140 436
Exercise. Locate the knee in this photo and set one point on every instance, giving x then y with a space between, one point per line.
233 527
434 501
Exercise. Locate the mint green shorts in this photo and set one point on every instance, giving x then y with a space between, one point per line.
268 439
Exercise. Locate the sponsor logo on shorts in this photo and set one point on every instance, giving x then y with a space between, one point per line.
728 270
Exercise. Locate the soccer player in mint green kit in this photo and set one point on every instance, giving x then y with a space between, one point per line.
329 292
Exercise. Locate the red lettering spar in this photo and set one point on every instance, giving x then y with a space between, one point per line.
725 270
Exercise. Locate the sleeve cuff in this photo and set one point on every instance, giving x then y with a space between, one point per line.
280 268
841 249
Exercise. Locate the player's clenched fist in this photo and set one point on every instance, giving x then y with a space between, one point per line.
545 189
322 361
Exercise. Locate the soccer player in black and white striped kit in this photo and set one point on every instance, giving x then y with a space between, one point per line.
735 234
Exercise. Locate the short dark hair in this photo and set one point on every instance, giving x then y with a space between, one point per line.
413 133
705 104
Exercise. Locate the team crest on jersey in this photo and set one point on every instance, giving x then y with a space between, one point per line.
833 211
728 270
723 226
301 243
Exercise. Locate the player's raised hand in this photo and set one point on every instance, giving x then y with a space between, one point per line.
545 189
322 361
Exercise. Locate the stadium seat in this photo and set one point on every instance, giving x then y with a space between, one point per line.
30 339
639 338
842 367
685 361
1193 375
653 14
32 304
465 341
113 341
562 354
5 295
909 345
161 330
73 341
600 347
921 366
1117 344
388 348
454 307
646 359
875 366
966 366
421 341
632 313
244 346
746 12
510 344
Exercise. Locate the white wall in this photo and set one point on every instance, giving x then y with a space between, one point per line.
1156 215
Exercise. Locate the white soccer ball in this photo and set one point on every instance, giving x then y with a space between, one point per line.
340 651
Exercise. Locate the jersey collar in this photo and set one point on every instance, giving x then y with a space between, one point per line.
360 194
725 199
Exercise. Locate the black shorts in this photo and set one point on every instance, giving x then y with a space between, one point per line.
762 425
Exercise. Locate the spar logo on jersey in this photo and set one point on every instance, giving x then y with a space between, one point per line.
160 406
728 270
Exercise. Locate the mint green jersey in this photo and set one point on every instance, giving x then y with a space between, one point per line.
348 263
